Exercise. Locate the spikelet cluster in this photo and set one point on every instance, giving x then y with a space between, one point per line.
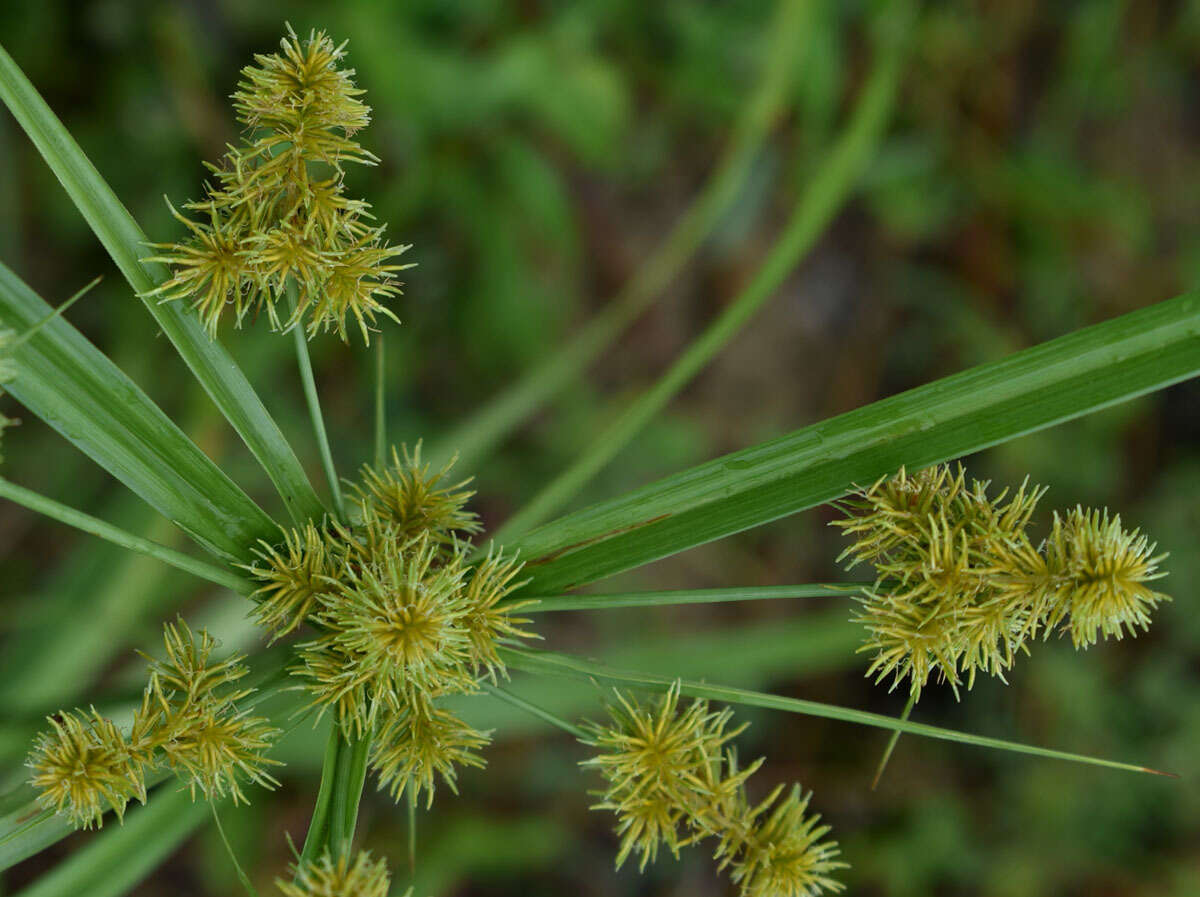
329 877
275 219
188 723
403 620
673 780
961 588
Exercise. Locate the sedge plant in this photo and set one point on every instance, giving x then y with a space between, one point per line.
385 606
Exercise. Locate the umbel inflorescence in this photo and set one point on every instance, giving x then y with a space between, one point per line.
275 231
190 723
402 617
961 587
673 780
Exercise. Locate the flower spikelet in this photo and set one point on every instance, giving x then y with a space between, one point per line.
489 619
292 576
275 221
408 495
1109 570
83 767
190 714
401 621
784 854
961 588
327 877
673 780
422 742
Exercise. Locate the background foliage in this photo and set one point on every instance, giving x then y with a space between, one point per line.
1040 174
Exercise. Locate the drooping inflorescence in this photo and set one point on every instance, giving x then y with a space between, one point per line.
189 723
961 587
673 780
275 231
403 619
329 877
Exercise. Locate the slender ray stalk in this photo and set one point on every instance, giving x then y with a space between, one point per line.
891 745
552 664
533 709
614 600
110 533
380 403
314 411
241 873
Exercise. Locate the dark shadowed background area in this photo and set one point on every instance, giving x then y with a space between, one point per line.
1040 173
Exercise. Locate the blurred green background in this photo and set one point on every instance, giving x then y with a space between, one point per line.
1040 173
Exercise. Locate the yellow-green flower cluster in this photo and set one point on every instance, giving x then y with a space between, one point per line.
188 722
402 618
275 221
961 587
673 780
327 877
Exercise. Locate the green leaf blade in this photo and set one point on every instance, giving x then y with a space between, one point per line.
1036 388
72 385
126 243
550 663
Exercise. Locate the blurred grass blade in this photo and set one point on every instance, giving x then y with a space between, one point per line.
96 527
822 198
72 386
1067 377
26 829
481 433
551 664
126 243
120 856
683 596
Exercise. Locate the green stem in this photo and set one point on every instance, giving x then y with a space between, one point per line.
314 410
318 826
563 665
57 313
380 404
412 832
352 774
535 710
822 198
241 873
685 596
335 813
96 527
891 745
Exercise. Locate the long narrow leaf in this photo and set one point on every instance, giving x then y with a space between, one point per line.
70 384
118 859
63 514
670 597
126 243
553 664
1059 380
